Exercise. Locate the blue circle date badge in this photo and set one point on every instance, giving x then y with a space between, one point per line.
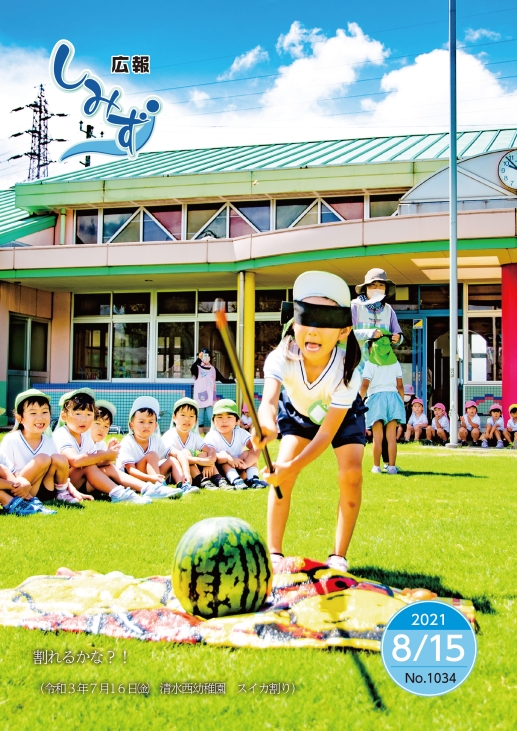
429 648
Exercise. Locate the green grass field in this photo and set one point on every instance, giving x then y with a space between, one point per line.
447 523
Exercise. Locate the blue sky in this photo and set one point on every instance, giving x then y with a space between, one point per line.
319 76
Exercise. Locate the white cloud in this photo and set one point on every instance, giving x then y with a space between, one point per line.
244 62
199 98
296 39
474 35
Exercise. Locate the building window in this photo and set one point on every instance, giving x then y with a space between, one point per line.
484 349
92 305
113 221
86 226
176 303
169 217
257 212
210 337
206 299
130 341
384 205
267 336
90 351
198 217
484 297
131 303
175 349
288 212
350 208
269 300
436 297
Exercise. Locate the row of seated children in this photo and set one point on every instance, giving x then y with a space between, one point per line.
74 464
495 434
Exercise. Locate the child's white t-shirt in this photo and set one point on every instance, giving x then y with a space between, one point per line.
382 378
246 420
499 424
415 420
64 440
474 418
19 452
328 389
6 462
236 447
512 424
131 452
194 443
444 423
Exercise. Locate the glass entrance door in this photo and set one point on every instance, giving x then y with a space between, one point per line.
411 354
28 356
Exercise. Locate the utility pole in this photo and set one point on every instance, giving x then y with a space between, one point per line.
453 230
40 140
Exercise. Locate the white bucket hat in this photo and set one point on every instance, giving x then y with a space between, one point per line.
145 402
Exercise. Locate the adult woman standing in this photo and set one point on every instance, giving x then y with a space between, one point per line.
206 375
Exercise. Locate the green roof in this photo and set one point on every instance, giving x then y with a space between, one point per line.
15 222
402 148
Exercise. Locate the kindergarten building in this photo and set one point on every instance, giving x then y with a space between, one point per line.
108 275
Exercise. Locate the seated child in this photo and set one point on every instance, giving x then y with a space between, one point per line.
245 421
142 452
104 414
188 447
510 433
409 397
417 422
12 489
33 455
494 428
74 440
440 426
236 456
470 425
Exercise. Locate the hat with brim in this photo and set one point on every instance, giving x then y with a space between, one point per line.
496 407
70 394
439 405
145 402
226 406
108 406
419 401
377 275
468 404
23 396
513 407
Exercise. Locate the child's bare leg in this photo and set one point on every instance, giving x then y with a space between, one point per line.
441 433
350 458
182 459
5 497
508 436
98 479
462 433
475 435
378 436
122 478
278 510
497 434
429 432
399 432
35 470
57 473
418 432
409 432
391 436
194 471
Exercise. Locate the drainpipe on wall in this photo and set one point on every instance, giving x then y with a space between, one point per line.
62 226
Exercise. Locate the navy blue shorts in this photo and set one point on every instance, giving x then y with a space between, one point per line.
351 431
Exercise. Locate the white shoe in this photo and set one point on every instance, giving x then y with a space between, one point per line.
500 444
159 492
128 496
338 562
391 470
376 470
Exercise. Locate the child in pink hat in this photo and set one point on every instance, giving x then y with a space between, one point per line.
417 422
440 425
470 425
494 428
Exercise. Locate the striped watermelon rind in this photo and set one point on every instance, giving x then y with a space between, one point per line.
221 567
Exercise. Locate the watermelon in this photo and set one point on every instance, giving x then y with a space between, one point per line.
221 566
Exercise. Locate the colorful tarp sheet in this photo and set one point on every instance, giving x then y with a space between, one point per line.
311 605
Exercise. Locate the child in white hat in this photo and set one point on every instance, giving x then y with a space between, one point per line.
316 363
143 454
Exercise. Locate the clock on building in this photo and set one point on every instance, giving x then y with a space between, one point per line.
507 170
